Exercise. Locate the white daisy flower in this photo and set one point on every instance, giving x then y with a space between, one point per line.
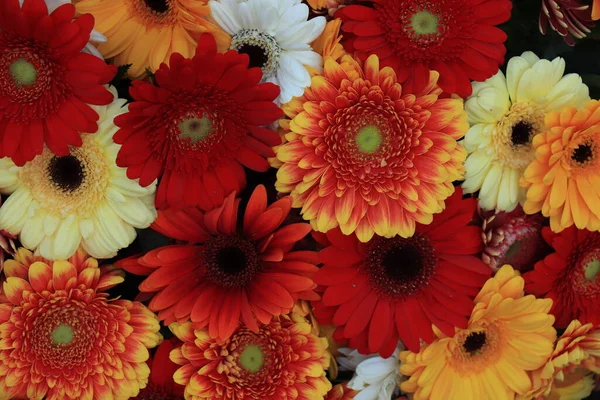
57 204
95 37
505 113
377 378
276 35
351 358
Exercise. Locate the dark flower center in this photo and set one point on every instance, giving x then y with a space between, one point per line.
231 261
258 55
155 392
399 267
474 342
582 153
160 6
66 172
521 133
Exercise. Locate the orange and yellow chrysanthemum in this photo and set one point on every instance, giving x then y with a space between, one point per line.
61 338
146 33
284 360
564 179
369 154
578 346
508 335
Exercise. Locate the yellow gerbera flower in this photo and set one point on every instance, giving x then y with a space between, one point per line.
508 334
145 33
505 113
564 179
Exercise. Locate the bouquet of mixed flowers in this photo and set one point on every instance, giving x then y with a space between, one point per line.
299 200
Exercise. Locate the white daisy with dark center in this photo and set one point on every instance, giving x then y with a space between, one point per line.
276 36
57 204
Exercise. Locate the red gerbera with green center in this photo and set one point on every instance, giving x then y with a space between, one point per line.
197 128
457 38
570 276
46 82
396 287
225 275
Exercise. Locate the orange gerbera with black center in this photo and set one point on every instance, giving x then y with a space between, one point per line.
457 38
198 128
378 291
225 275
368 154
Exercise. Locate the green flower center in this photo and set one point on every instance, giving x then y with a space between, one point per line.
252 358
62 334
592 269
23 72
368 139
424 23
196 129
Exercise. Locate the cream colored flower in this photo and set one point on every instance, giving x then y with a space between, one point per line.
57 204
505 113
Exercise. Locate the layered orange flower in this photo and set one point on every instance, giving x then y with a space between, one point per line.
145 33
578 344
283 360
61 338
564 179
368 154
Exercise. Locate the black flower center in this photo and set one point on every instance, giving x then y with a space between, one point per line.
521 133
474 342
160 6
582 153
398 267
258 55
155 392
66 172
231 261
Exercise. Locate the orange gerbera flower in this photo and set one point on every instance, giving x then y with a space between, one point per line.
564 178
283 360
370 155
63 339
224 275
145 33
341 392
576 345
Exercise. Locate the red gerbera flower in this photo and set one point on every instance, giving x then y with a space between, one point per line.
161 385
378 291
457 38
45 79
224 275
198 127
570 276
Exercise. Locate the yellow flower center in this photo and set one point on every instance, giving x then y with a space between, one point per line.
196 129
252 358
23 72
73 184
512 135
62 334
368 139
424 23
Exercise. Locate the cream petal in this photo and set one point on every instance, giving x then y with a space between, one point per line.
133 211
569 91
67 238
536 82
51 223
15 210
33 232
515 68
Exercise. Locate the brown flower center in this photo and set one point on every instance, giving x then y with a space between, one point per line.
231 261
398 267
474 350
67 173
521 133
262 49
159 6
582 154
474 342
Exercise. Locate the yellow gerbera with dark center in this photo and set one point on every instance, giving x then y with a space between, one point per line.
145 33
283 360
368 154
61 338
564 179
508 334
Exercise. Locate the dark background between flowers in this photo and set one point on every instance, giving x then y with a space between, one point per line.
523 35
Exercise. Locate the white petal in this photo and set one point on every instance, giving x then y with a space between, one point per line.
133 211
308 57
225 17
570 90
97 37
33 232
536 82
67 238
51 223
530 57
515 68
14 211
86 226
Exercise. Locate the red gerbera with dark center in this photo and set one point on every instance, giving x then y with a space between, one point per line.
198 127
45 79
161 385
225 275
457 38
570 276
378 291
